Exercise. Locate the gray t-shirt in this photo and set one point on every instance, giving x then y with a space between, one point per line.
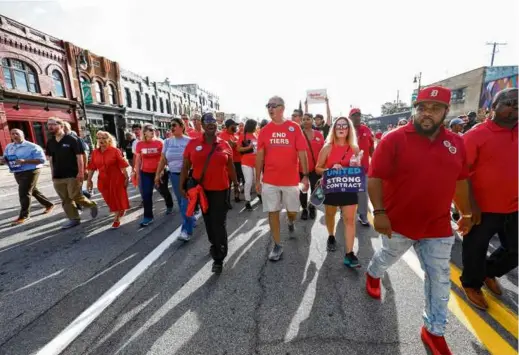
173 150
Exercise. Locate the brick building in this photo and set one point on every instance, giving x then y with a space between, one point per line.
100 83
34 84
474 90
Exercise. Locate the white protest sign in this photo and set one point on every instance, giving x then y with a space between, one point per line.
316 96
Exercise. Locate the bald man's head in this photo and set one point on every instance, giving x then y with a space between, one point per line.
17 135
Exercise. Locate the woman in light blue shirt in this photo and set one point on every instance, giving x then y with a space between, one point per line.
173 155
25 160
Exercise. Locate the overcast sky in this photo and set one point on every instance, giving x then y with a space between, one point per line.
247 51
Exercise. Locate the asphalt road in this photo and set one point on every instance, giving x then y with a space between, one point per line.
307 303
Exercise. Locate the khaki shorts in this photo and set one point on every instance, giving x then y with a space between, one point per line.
274 198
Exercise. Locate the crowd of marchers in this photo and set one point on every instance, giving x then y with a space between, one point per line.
414 174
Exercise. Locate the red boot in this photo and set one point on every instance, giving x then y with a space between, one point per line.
435 343
373 286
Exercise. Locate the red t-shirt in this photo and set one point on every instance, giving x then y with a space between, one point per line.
249 159
226 136
317 143
193 133
366 142
419 180
378 135
492 158
339 155
281 143
216 177
150 152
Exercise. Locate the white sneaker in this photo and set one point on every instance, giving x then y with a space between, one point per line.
184 236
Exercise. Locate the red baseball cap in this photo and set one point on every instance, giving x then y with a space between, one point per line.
439 94
354 111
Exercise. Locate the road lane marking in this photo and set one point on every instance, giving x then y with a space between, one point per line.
496 309
71 332
485 334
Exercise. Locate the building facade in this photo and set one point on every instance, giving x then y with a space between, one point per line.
382 122
34 84
198 100
475 89
150 102
99 80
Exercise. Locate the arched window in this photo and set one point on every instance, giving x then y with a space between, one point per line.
138 99
154 103
87 90
99 92
148 106
19 75
175 111
168 107
111 95
128 96
59 88
161 105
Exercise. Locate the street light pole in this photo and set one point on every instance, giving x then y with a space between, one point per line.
418 78
80 60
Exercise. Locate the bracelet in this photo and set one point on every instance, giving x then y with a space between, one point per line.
466 215
379 211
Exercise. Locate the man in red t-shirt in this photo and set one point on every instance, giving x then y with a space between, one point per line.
415 173
492 154
196 132
229 134
367 146
281 146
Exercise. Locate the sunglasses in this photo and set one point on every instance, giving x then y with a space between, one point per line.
269 105
342 126
510 102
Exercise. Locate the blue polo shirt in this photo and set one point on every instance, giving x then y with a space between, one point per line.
25 150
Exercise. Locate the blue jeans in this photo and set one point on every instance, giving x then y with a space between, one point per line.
147 185
434 255
188 222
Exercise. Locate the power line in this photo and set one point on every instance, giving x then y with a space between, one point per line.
494 50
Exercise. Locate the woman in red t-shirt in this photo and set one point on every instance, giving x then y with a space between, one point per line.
341 150
214 180
314 142
148 153
247 146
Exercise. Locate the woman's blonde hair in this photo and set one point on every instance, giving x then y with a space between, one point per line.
148 127
110 139
351 138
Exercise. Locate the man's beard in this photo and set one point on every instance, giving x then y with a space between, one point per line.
431 131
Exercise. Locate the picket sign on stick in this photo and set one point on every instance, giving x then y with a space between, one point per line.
317 96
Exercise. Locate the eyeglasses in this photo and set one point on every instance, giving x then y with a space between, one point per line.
342 126
269 105
510 102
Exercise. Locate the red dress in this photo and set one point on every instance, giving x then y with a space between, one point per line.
110 181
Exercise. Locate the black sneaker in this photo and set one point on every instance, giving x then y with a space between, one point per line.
291 227
312 212
351 261
260 200
304 215
237 199
331 245
248 207
217 268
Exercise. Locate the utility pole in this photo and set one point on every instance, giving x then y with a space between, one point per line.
397 96
494 50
